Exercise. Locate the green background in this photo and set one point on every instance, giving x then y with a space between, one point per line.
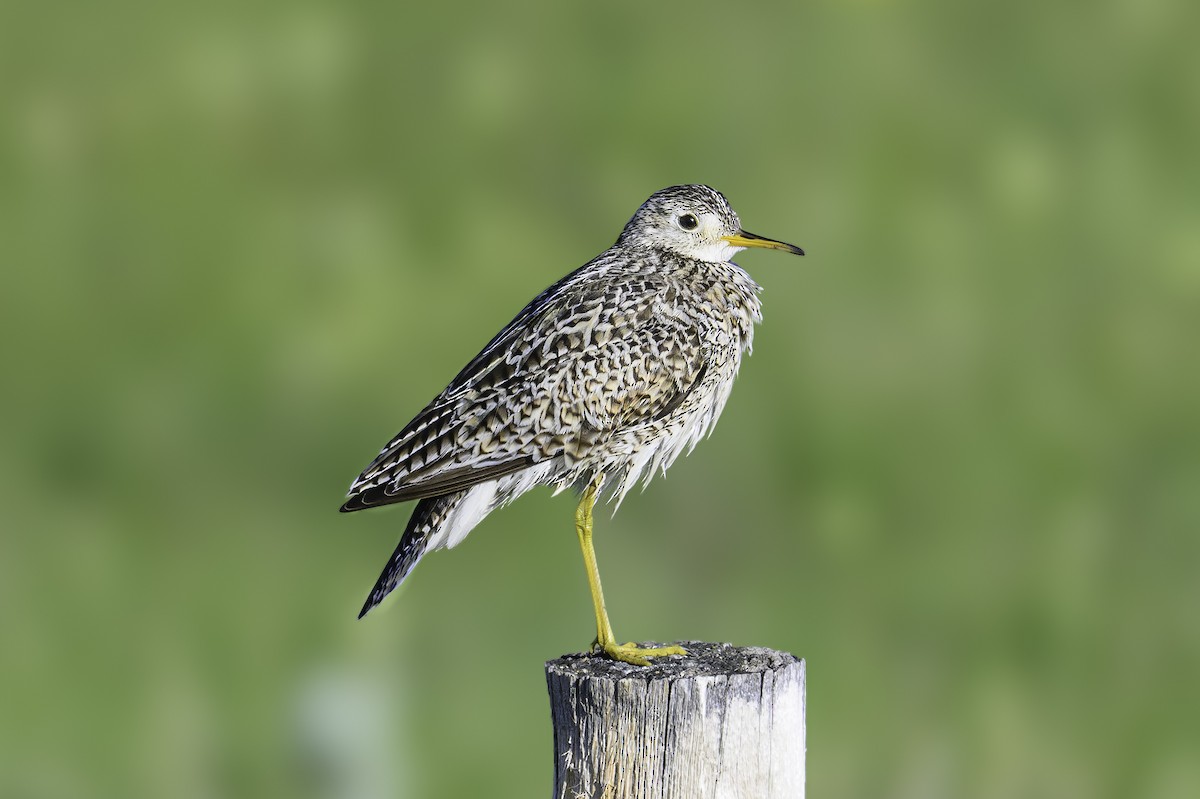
242 244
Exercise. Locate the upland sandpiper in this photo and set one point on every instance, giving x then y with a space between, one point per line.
603 379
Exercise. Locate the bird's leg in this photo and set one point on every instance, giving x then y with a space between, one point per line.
628 652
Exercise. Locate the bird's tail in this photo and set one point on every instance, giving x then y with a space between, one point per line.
427 518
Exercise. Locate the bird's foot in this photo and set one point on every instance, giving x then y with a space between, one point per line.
637 655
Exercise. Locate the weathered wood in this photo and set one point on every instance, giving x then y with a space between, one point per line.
722 722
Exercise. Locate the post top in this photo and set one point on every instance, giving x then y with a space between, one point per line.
703 659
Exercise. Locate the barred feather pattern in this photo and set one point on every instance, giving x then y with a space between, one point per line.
614 371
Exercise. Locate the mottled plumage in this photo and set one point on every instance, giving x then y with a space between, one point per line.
606 377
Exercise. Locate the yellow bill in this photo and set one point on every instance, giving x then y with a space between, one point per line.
744 239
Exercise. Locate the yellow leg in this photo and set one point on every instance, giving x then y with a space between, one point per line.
629 652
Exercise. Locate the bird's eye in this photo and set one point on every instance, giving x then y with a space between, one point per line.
688 222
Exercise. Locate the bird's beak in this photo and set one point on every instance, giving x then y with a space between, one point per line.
744 239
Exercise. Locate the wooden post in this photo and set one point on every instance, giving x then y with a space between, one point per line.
721 722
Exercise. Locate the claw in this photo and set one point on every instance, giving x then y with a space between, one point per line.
632 653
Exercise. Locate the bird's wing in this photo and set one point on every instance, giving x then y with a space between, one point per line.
451 445
577 364
426 458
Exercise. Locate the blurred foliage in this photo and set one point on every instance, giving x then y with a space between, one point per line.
243 243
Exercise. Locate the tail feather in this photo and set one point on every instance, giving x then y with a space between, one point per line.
426 519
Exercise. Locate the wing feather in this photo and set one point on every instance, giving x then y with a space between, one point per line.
576 365
408 467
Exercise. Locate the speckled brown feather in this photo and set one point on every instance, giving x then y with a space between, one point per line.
614 370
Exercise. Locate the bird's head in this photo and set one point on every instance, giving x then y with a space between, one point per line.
696 222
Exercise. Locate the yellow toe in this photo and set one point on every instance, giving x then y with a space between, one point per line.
639 656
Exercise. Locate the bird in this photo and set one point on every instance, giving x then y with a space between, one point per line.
603 380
